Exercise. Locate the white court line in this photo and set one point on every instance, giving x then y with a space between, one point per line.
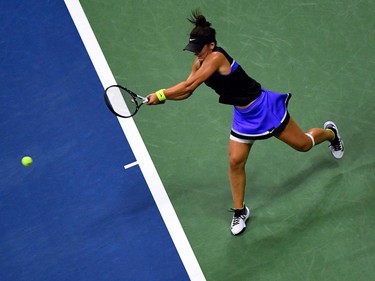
131 165
136 143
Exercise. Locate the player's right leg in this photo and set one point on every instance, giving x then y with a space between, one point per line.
238 154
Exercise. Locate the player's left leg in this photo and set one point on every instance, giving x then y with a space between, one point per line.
301 141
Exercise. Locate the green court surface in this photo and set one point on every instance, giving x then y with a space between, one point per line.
313 216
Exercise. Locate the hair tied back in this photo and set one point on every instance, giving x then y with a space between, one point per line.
198 19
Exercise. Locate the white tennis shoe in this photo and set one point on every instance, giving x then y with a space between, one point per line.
239 219
337 145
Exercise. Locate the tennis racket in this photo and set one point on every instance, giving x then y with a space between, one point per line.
116 95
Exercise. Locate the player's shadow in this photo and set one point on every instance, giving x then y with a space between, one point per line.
312 171
300 177
295 181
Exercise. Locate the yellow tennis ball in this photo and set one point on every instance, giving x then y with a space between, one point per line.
27 161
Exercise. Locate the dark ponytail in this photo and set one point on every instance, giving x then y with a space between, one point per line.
202 27
198 19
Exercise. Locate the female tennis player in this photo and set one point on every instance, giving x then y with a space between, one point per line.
258 113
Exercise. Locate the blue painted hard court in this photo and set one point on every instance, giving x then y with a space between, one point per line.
76 213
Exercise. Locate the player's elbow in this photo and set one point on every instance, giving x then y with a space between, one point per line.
189 89
184 96
191 86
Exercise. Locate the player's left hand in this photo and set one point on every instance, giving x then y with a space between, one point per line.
152 99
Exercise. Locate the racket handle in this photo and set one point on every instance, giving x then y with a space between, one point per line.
146 101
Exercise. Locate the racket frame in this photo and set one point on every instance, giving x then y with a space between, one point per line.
137 99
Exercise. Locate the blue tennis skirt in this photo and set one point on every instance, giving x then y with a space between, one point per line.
263 118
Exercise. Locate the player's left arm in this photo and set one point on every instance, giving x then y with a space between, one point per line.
198 75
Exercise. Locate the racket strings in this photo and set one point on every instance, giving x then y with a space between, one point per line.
123 102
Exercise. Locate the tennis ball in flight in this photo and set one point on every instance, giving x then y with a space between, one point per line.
27 161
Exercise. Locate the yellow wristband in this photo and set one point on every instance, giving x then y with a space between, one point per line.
160 95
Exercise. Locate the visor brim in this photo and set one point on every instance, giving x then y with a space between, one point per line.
193 47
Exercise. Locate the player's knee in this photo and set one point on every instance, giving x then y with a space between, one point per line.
236 163
303 147
305 144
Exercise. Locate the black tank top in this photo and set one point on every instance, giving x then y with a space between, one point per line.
236 88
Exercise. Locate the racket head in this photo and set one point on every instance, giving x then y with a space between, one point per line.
123 102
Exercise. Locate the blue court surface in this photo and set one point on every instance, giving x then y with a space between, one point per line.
76 213
93 206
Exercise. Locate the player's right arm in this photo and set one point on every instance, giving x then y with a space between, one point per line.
194 69
200 72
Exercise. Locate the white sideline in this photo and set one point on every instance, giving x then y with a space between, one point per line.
137 145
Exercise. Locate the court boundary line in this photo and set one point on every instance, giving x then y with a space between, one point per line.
136 143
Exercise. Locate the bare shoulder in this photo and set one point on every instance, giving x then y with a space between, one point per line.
220 61
213 62
216 56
